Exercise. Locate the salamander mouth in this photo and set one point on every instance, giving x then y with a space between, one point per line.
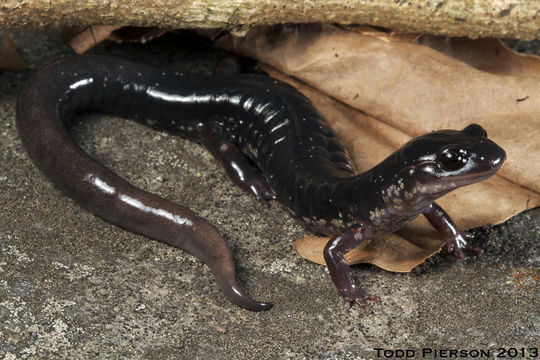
478 175
475 172
482 172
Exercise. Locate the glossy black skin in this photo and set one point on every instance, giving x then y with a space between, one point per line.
241 117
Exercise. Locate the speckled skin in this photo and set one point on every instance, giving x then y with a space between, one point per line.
236 116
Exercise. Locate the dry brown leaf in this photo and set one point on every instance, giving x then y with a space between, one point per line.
90 37
489 55
9 56
83 39
407 89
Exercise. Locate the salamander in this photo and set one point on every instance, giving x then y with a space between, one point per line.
271 141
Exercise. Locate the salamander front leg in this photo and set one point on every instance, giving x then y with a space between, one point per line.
237 166
340 272
456 239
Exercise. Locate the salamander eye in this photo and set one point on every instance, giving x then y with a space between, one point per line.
453 157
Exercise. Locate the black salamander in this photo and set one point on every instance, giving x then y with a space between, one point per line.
243 119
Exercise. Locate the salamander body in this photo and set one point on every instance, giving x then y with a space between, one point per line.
244 119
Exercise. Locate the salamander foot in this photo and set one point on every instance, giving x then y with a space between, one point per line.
258 186
458 244
360 298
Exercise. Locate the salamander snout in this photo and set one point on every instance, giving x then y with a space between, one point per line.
497 161
490 154
487 155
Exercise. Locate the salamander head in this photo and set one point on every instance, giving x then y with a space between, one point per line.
434 164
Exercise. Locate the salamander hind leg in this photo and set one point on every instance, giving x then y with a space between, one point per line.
237 166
